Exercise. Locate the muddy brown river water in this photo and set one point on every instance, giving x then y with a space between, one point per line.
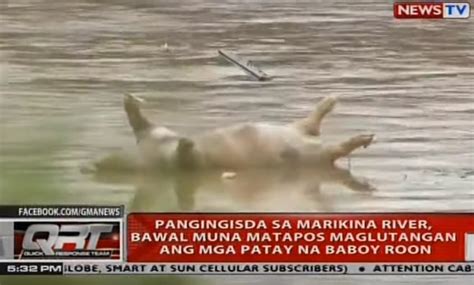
65 66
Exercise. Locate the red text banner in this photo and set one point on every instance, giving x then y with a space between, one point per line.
244 237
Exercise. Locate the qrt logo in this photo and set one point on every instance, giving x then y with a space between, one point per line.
67 240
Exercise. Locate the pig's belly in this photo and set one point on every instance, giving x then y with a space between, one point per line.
256 145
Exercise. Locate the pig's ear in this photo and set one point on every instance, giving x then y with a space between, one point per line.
185 154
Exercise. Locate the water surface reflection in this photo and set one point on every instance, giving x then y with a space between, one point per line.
295 189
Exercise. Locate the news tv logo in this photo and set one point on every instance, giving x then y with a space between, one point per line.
67 240
432 10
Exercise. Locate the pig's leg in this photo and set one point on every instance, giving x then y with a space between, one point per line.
311 125
349 146
137 121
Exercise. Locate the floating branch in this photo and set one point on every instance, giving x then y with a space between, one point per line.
245 65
